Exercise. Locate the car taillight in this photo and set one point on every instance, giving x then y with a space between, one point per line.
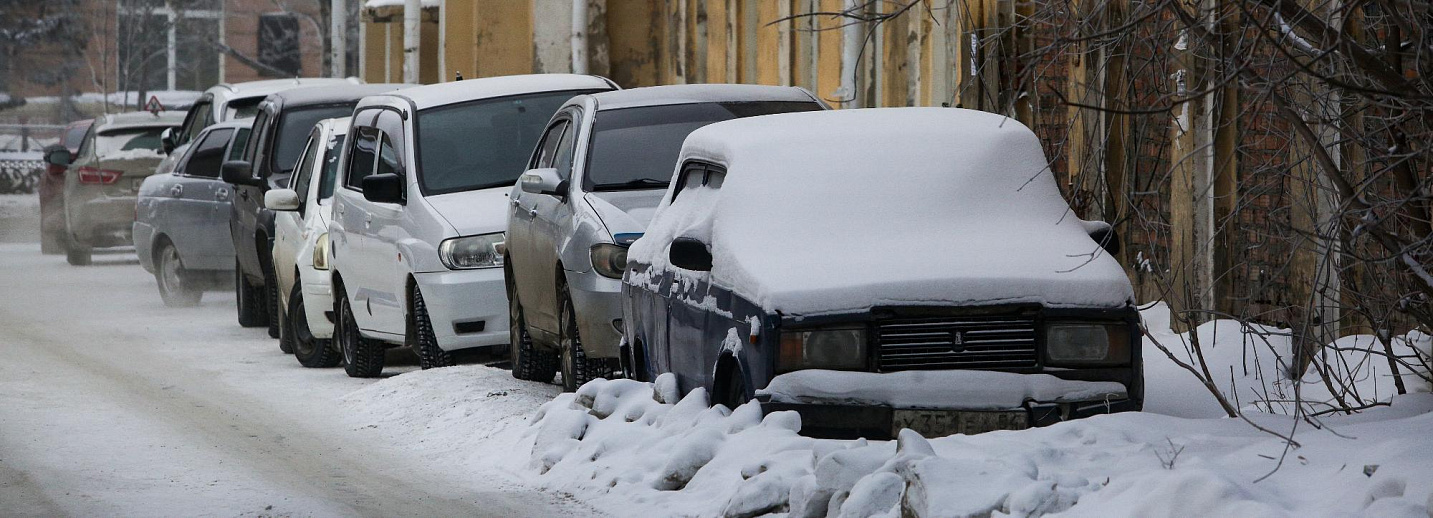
98 176
57 169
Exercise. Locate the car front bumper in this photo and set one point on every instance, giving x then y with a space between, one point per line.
598 304
848 421
468 308
318 301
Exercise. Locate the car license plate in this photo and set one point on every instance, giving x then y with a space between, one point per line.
940 423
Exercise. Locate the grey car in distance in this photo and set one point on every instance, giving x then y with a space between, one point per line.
594 180
182 218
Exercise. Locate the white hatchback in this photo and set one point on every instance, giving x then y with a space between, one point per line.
417 237
301 216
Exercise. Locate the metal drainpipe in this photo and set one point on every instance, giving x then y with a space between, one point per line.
412 19
338 37
579 36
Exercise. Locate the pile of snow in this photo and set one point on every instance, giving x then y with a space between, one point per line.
373 4
635 448
973 390
1253 365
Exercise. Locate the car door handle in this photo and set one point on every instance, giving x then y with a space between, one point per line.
515 203
176 191
221 195
532 212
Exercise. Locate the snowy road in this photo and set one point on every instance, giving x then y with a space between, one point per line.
113 405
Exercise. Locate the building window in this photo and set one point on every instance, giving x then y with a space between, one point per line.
279 42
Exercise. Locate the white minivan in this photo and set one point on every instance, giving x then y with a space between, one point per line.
416 240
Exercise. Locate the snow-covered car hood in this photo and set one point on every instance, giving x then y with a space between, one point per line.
473 212
942 207
625 211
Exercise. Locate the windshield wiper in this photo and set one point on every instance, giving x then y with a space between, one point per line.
633 184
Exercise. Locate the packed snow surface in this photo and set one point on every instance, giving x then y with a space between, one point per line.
824 212
975 390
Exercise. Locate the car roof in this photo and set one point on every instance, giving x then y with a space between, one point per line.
702 93
139 120
312 95
423 97
268 86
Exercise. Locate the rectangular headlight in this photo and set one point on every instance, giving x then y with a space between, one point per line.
834 349
470 252
1087 344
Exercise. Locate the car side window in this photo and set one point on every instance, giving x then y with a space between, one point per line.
390 154
562 157
362 150
692 175
299 181
207 155
715 177
241 140
88 143
202 117
260 128
547 147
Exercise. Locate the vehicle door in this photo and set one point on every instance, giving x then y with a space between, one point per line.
289 225
384 230
248 200
351 213
530 271
688 296
553 221
195 188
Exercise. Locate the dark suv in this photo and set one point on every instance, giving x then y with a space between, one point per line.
281 128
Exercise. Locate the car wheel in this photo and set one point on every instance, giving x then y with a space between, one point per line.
271 303
577 368
77 254
424 342
247 300
733 391
311 352
528 363
363 358
176 288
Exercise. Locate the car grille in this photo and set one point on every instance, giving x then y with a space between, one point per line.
956 343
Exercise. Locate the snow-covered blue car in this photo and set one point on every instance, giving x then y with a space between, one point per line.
881 269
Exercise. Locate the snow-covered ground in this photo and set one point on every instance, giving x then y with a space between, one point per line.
113 405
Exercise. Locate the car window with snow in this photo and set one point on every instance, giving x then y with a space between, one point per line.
330 167
481 144
126 142
635 148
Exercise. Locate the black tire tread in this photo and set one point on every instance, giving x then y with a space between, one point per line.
246 296
322 354
425 342
366 355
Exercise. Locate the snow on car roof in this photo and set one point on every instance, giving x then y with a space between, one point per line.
139 120
429 96
840 211
268 86
330 93
701 93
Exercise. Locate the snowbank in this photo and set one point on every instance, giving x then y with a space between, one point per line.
976 390
629 447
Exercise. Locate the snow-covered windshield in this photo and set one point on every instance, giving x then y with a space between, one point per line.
481 144
128 143
289 143
635 148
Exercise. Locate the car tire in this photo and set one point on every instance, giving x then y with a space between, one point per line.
77 254
314 353
177 287
422 338
577 368
528 363
733 390
247 300
271 304
362 357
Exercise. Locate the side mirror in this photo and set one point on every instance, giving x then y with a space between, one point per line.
1105 234
384 188
689 254
281 200
166 140
543 181
58 156
238 172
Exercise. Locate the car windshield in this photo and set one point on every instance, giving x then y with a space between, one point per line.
129 143
481 144
330 167
636 148
289 141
